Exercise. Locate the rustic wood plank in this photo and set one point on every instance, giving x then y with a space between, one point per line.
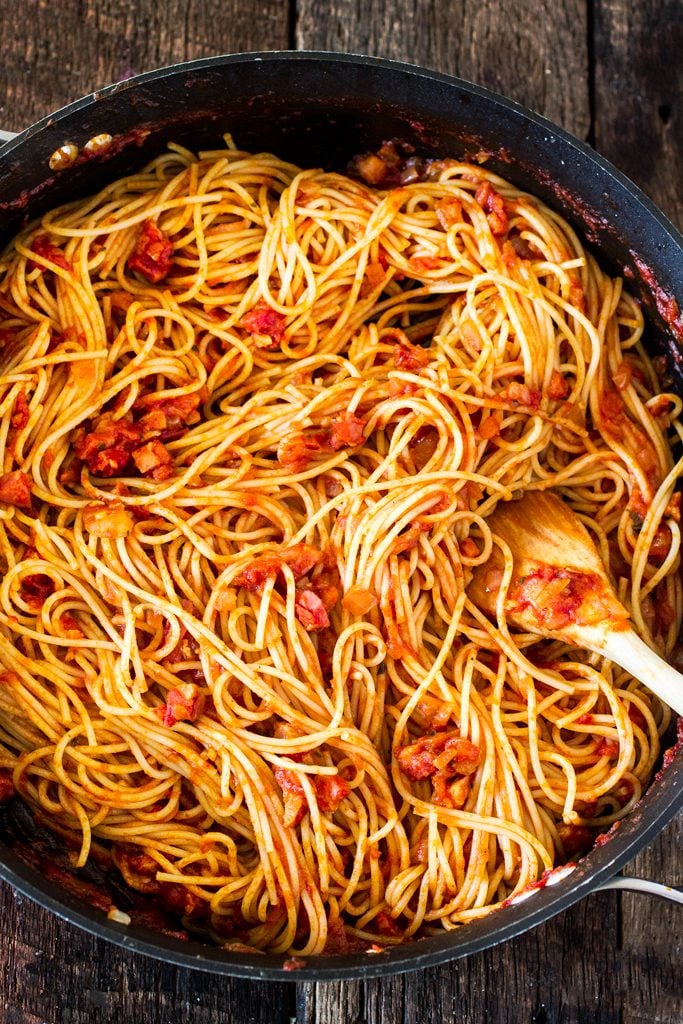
651 940
532 50
52 55
638 118
54 972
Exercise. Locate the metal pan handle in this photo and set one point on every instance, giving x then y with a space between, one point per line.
644 885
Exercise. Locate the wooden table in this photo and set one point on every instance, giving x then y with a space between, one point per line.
610 72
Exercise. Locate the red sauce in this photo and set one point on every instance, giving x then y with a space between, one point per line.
557 598
330 791
494 206
20 415
152 256
347 431
42 246
446 758
183 704
410 357
15 489
265 321
310 610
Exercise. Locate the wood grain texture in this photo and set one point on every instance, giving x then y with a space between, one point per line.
651 936
52 54
638 117
532 50
57 974
614 959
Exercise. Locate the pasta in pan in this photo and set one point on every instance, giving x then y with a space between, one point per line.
253 421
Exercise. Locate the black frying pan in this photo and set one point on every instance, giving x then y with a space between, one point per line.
322 109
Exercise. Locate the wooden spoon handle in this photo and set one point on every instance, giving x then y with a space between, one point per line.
625 648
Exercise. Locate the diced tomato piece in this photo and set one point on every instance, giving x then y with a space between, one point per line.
152 423
152 255
183 704
490 427
186 648
522 248
20 415
359 601
422 264
108 462
43 247
178 899
15 489
121 301
431 713
264 321
558 387
255 575
448 212
347 431
443 750
178 411
296 451
107 433
301 558
469 548
107 447
154 459
451 792
399 388
375 275
410 357
330 791
310 610
521 394
371 168
111 520
562 597
493 205
324 580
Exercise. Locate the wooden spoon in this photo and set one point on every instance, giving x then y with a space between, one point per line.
560 589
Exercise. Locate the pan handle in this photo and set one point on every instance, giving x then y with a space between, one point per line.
667 892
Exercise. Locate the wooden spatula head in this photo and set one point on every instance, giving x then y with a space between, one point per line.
559 586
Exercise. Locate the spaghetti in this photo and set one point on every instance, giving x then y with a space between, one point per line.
253 419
